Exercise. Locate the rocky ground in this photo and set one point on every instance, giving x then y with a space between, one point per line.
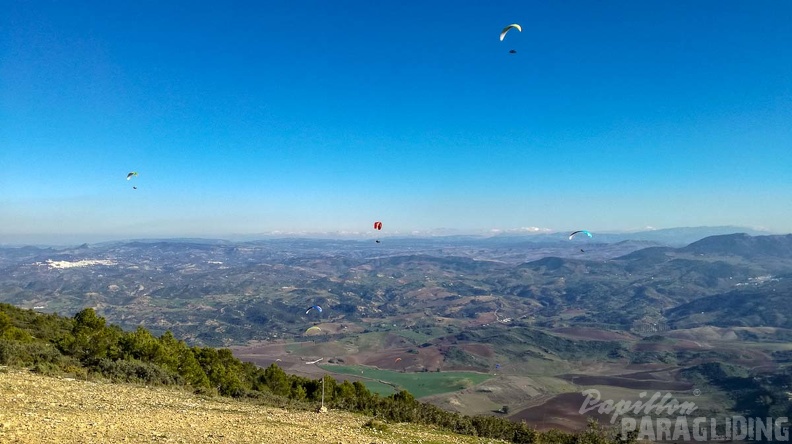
43 409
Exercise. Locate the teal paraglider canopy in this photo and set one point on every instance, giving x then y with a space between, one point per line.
578 232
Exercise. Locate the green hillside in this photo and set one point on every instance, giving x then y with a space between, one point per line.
86 347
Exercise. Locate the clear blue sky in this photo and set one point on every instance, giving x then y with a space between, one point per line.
249 117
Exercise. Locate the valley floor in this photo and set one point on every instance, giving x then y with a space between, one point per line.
43 409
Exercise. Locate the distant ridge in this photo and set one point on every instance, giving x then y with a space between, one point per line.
675 237
687 235
778 246
742 244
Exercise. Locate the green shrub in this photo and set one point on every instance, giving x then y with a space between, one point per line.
376 425
47 368
23 354
136 371
205 391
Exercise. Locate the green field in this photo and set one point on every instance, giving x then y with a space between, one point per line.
370 341
418 384
379 388
414 336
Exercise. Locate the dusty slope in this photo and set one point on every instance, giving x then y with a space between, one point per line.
40 409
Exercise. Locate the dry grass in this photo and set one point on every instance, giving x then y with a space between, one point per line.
42 409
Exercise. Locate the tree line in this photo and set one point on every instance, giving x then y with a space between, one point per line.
86 346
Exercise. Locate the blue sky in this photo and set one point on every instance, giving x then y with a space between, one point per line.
253 117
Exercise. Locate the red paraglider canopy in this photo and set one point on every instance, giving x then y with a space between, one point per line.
377 225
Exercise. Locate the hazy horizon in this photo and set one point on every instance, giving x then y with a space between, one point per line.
251 117
72 239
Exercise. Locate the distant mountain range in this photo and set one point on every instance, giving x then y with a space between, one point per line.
536 304
669 236
675 237
219 290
